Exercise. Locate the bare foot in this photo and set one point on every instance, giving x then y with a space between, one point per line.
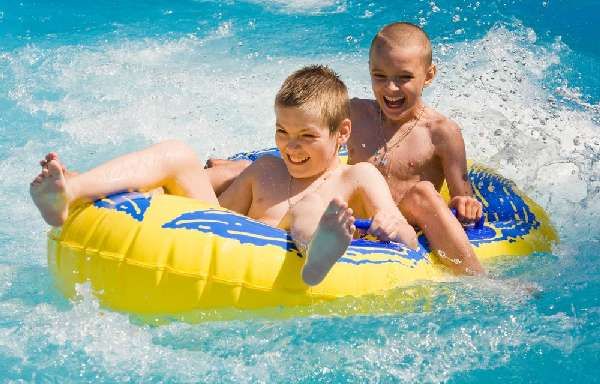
53 156
330 241
49 192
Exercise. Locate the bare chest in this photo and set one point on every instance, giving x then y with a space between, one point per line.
403 164
414 155
269 203
272 201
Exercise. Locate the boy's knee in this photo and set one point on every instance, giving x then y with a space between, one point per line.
423 194
178 152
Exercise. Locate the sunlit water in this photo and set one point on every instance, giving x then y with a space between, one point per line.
96 79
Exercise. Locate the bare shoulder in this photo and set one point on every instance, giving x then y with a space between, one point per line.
360 108
360 171
264 167
442 129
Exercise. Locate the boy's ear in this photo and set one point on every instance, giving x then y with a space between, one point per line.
430 74
344 130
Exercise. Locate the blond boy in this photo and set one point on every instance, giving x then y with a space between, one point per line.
306 191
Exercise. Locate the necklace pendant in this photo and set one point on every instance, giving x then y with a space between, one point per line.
381 161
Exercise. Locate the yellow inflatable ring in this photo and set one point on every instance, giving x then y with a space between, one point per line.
167 254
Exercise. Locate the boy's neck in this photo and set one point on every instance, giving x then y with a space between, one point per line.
311 179
409 115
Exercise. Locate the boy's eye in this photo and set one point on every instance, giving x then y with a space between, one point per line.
280 131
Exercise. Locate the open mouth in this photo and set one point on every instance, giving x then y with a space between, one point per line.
394 102
297 159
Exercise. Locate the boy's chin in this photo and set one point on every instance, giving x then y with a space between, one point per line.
302 173
299 175
397 113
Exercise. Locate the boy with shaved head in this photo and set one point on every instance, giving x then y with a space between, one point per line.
412 145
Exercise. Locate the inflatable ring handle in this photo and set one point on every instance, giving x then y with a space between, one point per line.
364 224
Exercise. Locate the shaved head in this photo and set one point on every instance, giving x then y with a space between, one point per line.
403 35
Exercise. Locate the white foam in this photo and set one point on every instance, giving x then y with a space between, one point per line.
303 6
494 88
149 89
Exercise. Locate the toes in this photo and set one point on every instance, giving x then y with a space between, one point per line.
334 207
54 168
346 215
48 158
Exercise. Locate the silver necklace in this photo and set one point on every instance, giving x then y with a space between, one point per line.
313 187
381 160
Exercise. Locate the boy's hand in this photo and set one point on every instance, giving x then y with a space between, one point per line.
468 209
390 226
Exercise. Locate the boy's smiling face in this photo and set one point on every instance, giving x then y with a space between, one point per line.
305 142
398 76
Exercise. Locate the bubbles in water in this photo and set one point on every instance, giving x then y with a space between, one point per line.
494 88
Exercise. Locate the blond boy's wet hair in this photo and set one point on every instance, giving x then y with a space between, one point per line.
319 90
404 34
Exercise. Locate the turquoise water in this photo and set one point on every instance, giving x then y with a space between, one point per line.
96 79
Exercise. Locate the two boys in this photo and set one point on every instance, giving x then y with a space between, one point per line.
414 147
306 191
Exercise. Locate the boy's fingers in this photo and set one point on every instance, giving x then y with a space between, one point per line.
471 211
475 211
461 209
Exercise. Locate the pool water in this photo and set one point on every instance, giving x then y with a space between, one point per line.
93 80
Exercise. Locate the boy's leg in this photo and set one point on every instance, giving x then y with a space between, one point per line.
322 233
171 164
222 172
422 205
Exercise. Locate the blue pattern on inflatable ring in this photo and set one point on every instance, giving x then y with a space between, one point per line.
135 204
504 207
231 226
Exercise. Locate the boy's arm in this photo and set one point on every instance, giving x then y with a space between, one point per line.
450 148
238 196
388 223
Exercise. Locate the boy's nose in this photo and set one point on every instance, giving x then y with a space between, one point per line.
293 144
392 84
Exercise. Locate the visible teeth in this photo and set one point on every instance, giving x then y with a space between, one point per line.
297 159
393 99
